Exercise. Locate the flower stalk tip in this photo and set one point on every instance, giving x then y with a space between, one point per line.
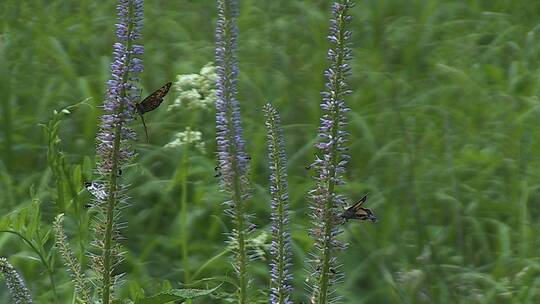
280 249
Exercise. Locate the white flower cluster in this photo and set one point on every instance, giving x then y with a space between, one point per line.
196 91
187 137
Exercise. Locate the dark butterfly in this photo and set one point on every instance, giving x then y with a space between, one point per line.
151 102
357 212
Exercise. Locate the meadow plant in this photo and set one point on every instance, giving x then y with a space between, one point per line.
233 161
327 205
113 142
79 279
280 250
15 283
115 152
445 123
188 137
214 85
196 91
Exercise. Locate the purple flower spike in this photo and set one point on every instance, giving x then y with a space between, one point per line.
113 139
230 142
280 249
122 92
233 161
326 204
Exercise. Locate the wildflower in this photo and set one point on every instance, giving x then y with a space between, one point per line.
327 205
233 161
281 244
113 141
15 283
188 137
196 91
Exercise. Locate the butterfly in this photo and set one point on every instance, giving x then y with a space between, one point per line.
357 212
96 189
151 102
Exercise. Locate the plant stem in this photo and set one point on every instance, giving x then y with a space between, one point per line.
5 87
241 238
111 203
183 214
210 261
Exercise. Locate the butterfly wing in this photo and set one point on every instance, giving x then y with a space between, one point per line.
365 214
360 202
97 190
153 101
357 212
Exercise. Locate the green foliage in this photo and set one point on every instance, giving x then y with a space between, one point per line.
25 224
176 295
443 138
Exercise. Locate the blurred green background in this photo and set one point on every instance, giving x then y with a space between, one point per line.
442 137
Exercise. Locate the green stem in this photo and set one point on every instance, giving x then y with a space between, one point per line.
8 132
281 247
209 262
183 214
327 245
282 294
60 192
238 202
240 230
523 217
111 203
5 88
239 217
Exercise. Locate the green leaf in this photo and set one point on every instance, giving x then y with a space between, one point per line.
122 301
177 295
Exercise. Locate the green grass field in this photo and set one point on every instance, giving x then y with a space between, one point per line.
443 139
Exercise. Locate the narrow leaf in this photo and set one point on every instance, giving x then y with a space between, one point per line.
177 295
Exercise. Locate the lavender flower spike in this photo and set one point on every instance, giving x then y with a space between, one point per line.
15 283
113 140
330 164
280 249
233 161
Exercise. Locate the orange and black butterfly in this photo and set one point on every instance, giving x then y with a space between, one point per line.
357 212
151 102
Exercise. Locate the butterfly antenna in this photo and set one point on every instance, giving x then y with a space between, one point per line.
145 130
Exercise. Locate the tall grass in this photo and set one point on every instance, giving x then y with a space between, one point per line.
442 126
